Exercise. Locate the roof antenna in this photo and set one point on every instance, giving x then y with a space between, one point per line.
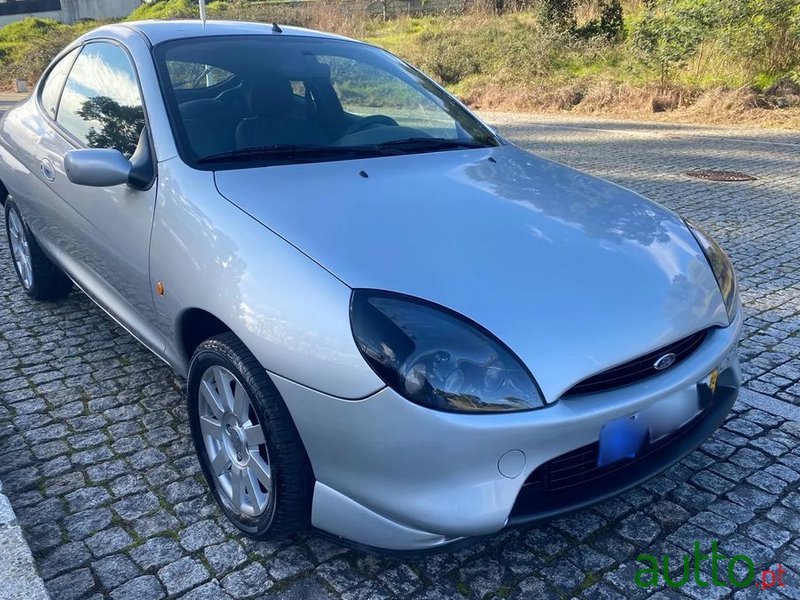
275 28
203 12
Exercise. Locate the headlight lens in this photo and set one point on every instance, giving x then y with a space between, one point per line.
438 359
721 265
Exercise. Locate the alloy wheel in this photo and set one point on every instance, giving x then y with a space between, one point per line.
20 249
234 442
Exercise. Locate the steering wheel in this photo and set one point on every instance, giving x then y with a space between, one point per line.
371 121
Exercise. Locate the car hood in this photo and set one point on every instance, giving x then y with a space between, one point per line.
573 273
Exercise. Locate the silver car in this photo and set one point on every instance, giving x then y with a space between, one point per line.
397 327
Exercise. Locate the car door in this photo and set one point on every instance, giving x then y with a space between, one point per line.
21 132
108 242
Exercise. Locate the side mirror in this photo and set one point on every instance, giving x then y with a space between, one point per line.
97 167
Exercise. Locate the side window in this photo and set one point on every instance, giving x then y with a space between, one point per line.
192 76
51 89
101 105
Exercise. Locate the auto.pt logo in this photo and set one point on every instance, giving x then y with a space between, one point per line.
721 566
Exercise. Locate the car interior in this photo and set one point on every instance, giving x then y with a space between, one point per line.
255 113
228 102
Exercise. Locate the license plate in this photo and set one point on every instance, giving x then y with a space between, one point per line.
623 438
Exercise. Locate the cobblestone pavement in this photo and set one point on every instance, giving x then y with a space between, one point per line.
96 459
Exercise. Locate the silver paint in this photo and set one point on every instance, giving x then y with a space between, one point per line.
437 473
97 167
574 274
541 255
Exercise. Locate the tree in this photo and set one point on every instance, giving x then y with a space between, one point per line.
120 126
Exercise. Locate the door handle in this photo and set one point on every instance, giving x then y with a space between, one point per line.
48 171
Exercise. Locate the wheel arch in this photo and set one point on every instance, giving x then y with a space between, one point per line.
3 193
195 325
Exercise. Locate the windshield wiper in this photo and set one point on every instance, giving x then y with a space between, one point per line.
286 152
428 143
303 152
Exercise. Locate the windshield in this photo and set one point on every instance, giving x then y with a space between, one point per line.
237 101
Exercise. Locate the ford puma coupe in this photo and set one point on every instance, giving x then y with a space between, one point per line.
397 327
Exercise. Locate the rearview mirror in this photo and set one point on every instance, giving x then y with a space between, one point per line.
97 167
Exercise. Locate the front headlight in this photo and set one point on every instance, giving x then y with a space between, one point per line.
721 265
437 358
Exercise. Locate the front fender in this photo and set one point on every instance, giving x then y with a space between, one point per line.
290 312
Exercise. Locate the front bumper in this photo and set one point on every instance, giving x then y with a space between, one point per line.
394 475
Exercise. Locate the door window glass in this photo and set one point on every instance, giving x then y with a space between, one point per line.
101 105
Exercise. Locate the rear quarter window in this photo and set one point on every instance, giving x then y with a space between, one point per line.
54 83
192 76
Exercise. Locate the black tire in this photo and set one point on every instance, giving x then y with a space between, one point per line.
288 508
48 281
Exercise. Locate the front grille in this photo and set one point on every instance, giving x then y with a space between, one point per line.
573 481
579 467
637 369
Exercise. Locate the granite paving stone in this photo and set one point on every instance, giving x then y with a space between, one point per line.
96 459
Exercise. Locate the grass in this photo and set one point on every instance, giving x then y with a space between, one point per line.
27 46
497 62
513 62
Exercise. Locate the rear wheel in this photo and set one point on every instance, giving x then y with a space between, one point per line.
38 275
249 449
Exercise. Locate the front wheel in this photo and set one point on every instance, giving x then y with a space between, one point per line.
39 276
249 449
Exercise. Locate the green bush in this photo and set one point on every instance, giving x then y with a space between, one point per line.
166 9
763 36
609 24
753 41
667 33
16 38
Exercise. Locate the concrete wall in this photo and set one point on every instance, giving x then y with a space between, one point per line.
70 11
75 10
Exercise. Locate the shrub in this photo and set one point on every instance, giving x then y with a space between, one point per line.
668 32
608 24
560 13
166 9
611 21
762 35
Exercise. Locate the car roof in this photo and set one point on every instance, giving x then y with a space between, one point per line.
163 31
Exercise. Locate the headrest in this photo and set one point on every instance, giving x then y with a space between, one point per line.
271 97
305 67
202 109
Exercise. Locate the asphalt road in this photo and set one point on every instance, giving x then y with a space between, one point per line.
96 459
